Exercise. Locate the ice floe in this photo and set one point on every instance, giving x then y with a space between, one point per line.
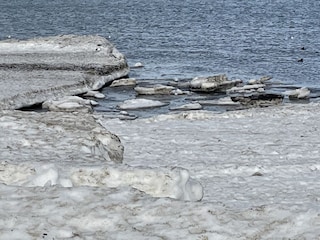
140 103
301 93
124 82
189 106
69 104
95 94
153 90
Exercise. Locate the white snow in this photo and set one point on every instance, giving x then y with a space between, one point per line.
259 169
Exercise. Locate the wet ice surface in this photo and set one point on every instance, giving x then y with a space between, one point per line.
259 169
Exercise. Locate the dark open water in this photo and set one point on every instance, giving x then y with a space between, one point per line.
183 39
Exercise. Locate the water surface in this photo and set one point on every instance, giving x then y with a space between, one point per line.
183 39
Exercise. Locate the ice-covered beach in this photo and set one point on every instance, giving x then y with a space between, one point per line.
259 169
63 175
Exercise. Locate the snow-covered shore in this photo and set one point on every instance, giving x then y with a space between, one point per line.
249 174
259 169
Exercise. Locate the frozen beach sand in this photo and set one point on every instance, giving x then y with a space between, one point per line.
35 70
259 169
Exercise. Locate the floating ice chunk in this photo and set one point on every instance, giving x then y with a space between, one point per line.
124 82
93 103
138 65
247 88
213 83
161 182
261 80
190 106
95 94
156 89
140 103
300 93
179 92
69 104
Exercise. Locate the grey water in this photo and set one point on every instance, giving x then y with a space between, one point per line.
177 39
183 39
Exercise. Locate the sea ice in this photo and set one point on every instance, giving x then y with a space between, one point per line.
140 103
190 106
300 93
95 94
153 90
124 82
69 104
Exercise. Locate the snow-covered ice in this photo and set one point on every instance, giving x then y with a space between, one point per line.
189 106
69 104
140 103
259 169
300 93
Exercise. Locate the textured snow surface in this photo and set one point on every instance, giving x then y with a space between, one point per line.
259 169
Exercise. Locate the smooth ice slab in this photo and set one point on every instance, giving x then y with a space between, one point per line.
140 103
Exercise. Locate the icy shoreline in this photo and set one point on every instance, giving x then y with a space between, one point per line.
259 168
64 176
65 150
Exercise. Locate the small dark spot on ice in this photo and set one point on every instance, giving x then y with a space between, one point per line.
257 174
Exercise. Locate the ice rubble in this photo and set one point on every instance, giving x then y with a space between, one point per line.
140 103
222 151
52 142
161 182
45 142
